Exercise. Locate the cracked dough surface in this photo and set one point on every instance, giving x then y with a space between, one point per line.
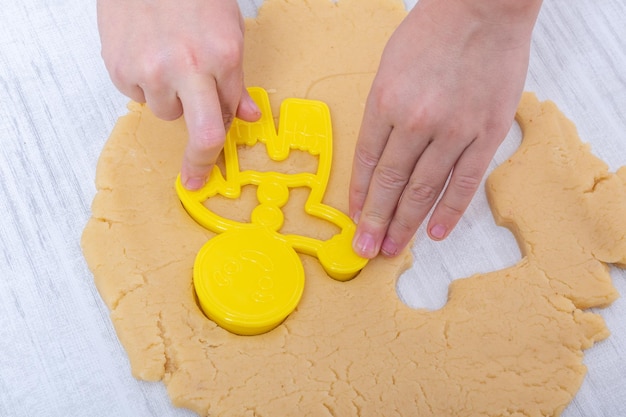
507 343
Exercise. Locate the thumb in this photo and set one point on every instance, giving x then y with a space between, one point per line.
248 109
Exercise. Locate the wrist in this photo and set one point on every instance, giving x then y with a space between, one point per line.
492 23
501 12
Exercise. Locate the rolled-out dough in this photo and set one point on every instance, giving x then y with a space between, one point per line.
507 343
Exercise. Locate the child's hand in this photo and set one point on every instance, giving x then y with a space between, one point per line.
443 100
181 57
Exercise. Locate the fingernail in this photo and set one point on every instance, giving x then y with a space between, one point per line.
356 217
438 231
389 247
253 106
194 183
365 245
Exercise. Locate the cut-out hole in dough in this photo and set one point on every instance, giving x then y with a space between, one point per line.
296 217
238 210
437 264
255 158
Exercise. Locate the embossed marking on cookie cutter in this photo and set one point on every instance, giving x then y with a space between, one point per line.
249 278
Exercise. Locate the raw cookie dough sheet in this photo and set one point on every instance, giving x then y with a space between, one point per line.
58 352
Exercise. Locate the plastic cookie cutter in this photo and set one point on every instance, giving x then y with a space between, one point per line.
249 278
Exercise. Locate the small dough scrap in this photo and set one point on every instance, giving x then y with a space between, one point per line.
507 343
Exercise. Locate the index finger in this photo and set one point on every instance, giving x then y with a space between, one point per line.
372 140
206 126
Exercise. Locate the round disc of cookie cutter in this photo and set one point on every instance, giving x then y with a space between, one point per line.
248 280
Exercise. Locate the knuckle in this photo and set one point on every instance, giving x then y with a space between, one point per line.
117 72
421 119
375 217
419 193
229 52
416 117
497 128
466 184
210 139
389 178
169 113
403 225
455 130
366 158
152 74
358 193
385 99
459 194
452 210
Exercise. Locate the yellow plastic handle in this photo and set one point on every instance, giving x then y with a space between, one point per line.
304 125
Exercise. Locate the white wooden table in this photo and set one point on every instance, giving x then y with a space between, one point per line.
59 355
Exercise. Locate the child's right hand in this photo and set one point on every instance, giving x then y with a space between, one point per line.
181 57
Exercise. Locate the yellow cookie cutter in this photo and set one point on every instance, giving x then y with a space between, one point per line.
250 278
